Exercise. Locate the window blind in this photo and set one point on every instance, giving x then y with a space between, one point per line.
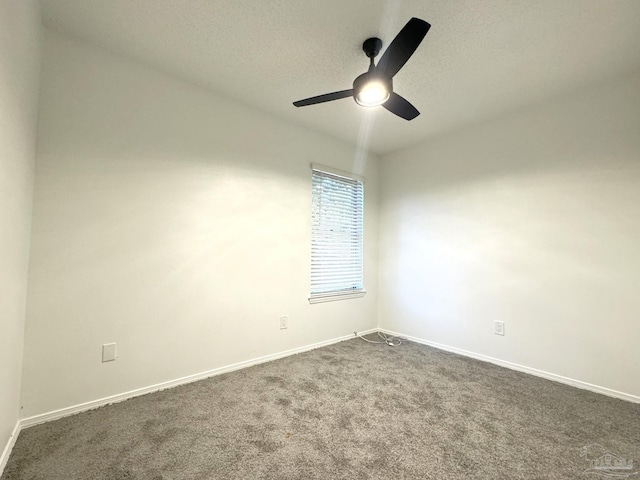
337 235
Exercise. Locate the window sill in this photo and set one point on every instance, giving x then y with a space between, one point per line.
334 296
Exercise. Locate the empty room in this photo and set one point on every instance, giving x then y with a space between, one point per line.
368 239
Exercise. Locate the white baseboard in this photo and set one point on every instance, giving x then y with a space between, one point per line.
521 368
83 407
4 458
64 412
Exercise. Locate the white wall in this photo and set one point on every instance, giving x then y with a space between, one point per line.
19 67
173 222
532 219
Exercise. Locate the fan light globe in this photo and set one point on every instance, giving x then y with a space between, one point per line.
371 89
372 94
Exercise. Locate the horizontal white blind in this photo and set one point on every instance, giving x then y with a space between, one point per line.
337 234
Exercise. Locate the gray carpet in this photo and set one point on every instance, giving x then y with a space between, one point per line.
347 411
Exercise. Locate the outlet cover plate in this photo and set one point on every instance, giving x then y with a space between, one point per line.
498 328
284 322
109 352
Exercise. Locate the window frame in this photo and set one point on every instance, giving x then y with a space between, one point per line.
340 294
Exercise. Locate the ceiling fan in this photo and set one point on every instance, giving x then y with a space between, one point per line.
375 87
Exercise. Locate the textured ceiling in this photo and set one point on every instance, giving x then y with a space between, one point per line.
480 58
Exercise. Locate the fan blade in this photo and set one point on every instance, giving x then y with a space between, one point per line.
327 97
402 47
401 107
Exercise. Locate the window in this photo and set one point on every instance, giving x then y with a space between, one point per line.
336 235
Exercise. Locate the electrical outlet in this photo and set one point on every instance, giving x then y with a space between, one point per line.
109 352
284 322
498 328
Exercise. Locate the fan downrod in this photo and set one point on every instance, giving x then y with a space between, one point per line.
372 46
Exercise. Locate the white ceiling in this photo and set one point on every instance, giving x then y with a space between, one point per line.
480 58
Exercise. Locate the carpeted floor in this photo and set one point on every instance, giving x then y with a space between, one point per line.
347 411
